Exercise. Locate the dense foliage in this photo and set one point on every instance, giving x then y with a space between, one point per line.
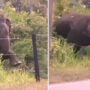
23 26
62 7
38 6
62 52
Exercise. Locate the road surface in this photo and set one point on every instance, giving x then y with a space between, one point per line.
80 85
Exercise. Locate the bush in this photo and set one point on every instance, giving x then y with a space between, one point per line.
24 25
62 51
62 7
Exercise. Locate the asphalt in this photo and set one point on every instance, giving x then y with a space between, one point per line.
79 85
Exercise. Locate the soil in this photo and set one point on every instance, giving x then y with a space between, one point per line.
61 76
34 86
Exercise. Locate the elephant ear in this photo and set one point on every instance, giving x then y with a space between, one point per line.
8 22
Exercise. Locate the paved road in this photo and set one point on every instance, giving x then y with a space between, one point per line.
80 85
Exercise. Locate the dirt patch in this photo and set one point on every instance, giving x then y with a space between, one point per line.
59 76
34 86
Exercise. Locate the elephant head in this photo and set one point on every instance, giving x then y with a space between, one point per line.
3 19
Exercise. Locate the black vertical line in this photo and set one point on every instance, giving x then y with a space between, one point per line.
36 64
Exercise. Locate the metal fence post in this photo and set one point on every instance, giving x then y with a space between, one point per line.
36 64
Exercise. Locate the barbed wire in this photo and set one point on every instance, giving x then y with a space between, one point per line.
32 71
19 54
13 54
29 38
44 35
18 38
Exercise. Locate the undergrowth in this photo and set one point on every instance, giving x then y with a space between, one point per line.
64 56
15 76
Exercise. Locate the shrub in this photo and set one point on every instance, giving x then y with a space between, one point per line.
24 25
62 51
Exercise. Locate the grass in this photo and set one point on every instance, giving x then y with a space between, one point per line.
24 47
22 75
43 85
15 79
61 75
63 55
15 76
65 65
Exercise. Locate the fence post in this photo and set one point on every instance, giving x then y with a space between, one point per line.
36 64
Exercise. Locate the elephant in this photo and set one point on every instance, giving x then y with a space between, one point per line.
5 29
75 28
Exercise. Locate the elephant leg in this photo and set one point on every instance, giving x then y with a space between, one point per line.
12 58
76 48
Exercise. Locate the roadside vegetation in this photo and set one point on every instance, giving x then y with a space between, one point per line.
65 65
24 24
63 54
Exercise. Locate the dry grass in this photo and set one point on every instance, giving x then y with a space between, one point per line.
64 75
33 86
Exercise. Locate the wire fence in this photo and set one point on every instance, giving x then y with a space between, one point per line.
37 46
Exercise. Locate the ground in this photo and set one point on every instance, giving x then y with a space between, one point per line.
64 75
33 86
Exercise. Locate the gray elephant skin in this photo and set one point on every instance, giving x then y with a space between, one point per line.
5 29
75 28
